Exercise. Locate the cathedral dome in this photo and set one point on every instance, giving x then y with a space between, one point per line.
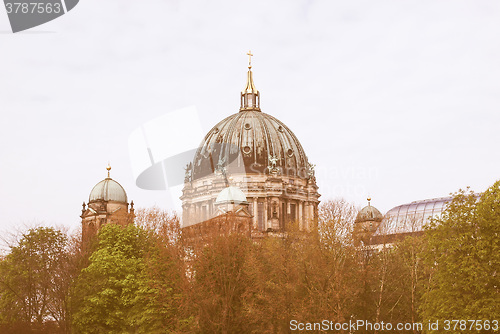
108 190
369 213
251 141
258 139
231 195
273 181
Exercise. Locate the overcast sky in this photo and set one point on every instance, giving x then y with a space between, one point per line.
398 100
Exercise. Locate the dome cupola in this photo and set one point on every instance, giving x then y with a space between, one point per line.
108 190
366 223
369 214
262 142
231 195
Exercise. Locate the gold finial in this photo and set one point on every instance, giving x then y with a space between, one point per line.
250 98
369 200
250 87
249 58
108 169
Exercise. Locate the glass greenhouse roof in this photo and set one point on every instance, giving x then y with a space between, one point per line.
413 216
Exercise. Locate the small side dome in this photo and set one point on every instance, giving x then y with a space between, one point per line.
369 213
108 190
231 195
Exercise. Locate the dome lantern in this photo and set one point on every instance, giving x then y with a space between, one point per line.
250 97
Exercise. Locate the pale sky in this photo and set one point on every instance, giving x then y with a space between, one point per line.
398 100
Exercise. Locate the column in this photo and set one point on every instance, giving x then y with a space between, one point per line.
301 221
266 204
307 216
254 213
311 213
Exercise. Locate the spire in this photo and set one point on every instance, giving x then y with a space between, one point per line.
250 97
250 55
108 169
369 200
250 87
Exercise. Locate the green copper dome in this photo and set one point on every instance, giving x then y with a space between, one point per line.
369 213
108 190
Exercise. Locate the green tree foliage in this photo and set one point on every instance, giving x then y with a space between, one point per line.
34 281
132 284
463 252
105 293
117 292
149 279
166 270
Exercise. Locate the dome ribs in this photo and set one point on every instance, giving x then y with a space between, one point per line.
255 136
108 190
267 140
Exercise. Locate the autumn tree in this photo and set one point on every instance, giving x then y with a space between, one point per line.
328 265
162 223
395 279
219 284
273 268
304 276
336 221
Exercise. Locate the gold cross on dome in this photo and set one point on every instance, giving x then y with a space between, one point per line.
249 59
